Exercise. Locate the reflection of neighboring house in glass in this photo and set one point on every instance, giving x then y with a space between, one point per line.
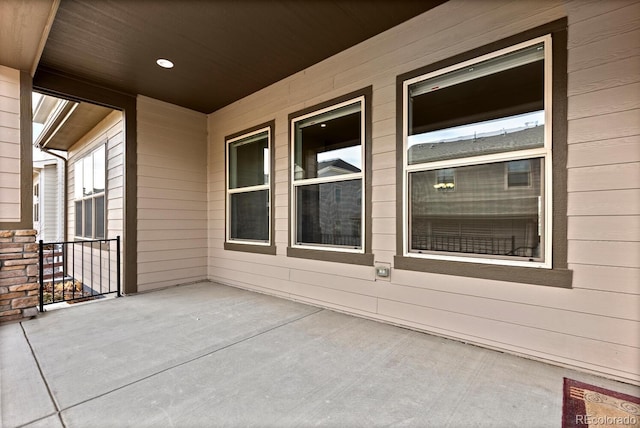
340 200
333 167
484 144
490 208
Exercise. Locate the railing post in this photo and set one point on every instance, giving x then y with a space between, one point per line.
41 273
118 264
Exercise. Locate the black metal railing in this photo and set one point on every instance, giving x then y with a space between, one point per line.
73 271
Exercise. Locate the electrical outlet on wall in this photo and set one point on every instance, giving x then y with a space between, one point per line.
382 271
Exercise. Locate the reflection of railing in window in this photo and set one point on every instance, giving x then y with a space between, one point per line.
471 244
338 239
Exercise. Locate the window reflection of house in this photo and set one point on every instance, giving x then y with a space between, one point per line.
328 177
482 215
340 205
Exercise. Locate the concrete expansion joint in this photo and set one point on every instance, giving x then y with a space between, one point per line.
199 356
44 380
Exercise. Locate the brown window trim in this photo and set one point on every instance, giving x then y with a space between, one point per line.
367 257
559 275
246 247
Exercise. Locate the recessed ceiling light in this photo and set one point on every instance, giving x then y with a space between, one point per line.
164 63
323 125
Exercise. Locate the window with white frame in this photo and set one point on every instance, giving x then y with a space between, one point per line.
248 188
463 127
327 177
519 173
89 195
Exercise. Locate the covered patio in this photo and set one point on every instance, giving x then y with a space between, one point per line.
214 355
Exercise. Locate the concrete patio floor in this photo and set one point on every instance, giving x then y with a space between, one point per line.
208 355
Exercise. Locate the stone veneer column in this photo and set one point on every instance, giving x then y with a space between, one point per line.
18 275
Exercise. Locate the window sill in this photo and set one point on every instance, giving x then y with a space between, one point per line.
248 248
365 259
561 278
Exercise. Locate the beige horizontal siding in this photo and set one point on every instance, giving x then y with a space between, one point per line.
595 325
605 152
172 192
9 145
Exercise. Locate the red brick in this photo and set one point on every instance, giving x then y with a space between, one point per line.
24 287
24 302
28 232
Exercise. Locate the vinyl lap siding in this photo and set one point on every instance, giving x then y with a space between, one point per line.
172 192
9 145
595 325
50 203
604 149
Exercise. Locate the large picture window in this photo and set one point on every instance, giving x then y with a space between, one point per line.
481 174
474 121
328 178
249 215
89 194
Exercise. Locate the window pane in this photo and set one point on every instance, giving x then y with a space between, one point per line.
78 218
249 161
77 178
493 106
445 180
87 180
250 215
482 216
99 170
329 143
330 214
519 173
100 217
88 218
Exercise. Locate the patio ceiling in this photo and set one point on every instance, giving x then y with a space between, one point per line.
223 50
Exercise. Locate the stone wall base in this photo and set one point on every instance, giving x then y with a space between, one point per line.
19 289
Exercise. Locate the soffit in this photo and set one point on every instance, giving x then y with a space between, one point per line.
75 121
24 26
223 50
